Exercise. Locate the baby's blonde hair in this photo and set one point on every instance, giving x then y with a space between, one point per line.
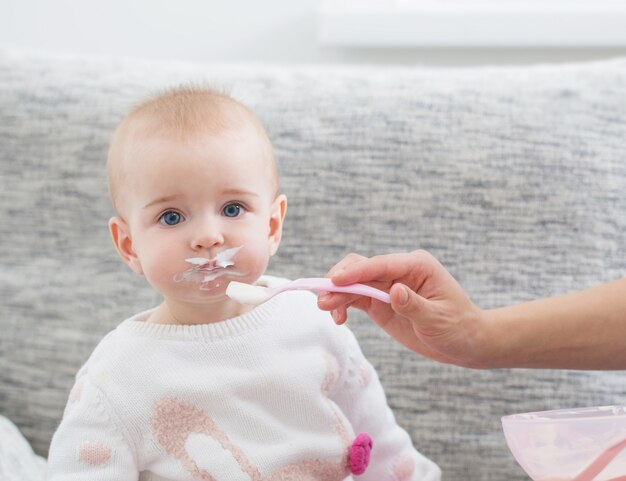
181 113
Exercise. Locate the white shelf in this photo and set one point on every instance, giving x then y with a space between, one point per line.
454 23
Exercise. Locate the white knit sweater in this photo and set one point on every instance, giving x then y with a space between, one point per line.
277 394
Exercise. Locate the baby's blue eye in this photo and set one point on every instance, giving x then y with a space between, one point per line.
170 218
232 210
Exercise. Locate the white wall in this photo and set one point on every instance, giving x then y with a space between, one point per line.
221 31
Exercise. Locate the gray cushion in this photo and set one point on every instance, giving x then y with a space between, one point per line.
515 177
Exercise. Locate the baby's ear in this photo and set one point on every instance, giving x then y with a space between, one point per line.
120 234
277 216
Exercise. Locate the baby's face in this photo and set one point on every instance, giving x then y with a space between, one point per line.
201 212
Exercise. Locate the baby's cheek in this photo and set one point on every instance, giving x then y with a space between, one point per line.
160 275
252 263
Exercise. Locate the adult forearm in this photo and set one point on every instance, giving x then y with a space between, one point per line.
583 330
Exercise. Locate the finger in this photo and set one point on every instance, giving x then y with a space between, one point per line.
386 267
417 312
410 305
363 303
340 316
347 260
329 301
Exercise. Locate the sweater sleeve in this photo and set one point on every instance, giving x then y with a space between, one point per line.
363 401
89 443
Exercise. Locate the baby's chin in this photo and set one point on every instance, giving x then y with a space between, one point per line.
193 296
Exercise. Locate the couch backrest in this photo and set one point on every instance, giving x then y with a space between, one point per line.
514 177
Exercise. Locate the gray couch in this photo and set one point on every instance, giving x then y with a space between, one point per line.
514 177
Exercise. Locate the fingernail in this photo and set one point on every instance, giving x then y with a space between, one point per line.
335 315
339 272
403 296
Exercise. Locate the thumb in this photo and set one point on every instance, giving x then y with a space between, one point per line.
407 303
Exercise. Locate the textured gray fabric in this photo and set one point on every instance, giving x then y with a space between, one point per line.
514 177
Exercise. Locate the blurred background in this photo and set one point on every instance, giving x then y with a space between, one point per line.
429 32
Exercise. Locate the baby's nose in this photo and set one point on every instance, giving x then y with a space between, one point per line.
207 235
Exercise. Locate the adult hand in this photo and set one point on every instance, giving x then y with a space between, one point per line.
429 311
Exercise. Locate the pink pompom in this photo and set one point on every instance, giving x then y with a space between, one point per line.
360 453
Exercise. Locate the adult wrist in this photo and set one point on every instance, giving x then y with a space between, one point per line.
481 349
493 346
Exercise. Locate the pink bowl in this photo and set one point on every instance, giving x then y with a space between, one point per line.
583 444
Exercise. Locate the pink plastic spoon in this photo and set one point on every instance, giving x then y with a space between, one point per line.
254 295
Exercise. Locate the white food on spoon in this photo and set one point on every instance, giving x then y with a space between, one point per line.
247 293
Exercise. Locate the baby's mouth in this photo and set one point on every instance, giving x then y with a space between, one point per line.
209 268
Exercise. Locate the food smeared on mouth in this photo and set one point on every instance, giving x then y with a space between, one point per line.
205 270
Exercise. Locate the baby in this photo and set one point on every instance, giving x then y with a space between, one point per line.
201 387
